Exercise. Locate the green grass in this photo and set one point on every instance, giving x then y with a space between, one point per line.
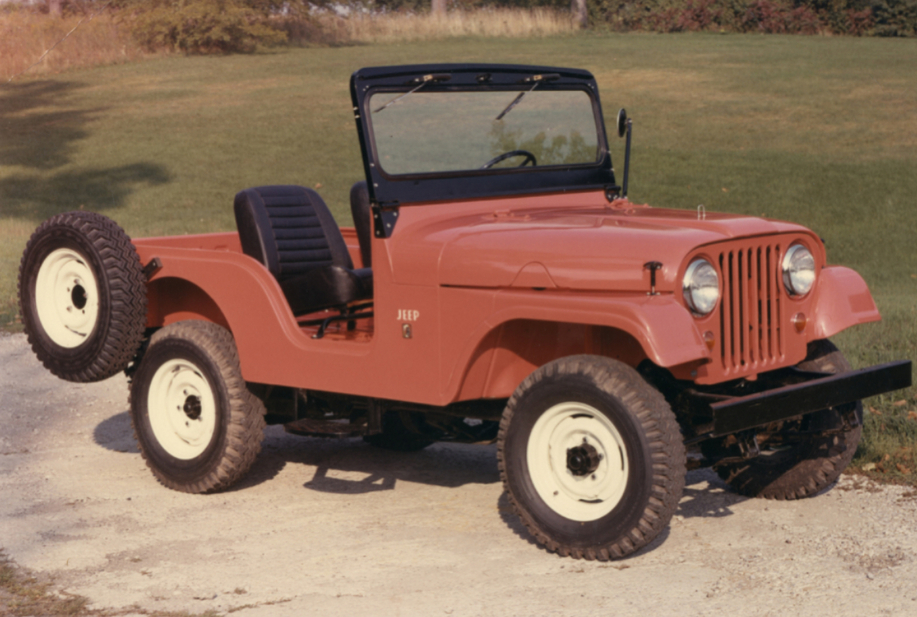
23 594
815 130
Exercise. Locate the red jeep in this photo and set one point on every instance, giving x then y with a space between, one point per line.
498 286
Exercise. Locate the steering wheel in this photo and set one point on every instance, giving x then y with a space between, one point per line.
507 155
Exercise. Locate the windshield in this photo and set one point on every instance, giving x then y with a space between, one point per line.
447 131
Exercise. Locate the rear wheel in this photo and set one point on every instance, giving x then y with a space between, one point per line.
198 426
591 457
792 465
82 296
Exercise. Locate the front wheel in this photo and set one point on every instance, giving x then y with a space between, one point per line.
591 457
198 426
803 456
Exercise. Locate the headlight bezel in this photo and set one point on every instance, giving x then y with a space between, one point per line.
690 287
797 286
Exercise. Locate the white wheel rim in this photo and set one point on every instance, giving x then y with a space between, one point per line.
182 409
584 496
67 298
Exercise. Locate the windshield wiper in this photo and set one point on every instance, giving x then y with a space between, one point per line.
535 78
424 80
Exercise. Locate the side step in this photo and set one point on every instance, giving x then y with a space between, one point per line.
310 427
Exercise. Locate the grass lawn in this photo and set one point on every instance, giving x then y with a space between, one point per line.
817 130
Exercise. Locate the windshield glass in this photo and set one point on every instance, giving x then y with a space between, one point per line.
437 131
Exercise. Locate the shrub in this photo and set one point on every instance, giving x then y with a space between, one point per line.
201 26
699 15
854 17
772 17
894 17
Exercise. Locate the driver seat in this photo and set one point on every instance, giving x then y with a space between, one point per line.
290 230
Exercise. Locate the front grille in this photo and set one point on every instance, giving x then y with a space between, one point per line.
752 308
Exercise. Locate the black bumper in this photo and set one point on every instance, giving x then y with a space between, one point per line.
737 414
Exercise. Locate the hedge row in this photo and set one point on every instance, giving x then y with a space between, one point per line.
845 17
208 26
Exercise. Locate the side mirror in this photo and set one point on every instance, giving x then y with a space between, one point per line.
622 122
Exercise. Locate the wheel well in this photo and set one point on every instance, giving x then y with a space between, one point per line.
173 299
512 350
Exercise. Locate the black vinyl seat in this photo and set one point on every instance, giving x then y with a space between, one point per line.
291 231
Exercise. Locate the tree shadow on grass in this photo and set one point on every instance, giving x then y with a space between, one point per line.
38 197
39 130
39 125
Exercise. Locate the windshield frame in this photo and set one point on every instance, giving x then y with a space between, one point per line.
404 189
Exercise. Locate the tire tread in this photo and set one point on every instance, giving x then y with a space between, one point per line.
121 272
665 443
808 476
245 429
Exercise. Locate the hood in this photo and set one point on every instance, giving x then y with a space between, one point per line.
589 249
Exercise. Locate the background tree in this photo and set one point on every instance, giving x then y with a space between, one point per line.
580 13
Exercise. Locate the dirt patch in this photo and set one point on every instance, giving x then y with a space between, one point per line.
340 528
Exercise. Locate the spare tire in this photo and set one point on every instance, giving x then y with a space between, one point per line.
82 296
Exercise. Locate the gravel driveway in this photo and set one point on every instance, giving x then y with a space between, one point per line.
323 527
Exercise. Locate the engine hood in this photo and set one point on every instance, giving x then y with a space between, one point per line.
587 249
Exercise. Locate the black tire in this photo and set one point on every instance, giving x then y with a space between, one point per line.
809 466
198 426
82 296
626 425
400 432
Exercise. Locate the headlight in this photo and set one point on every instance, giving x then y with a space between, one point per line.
798 270
701 287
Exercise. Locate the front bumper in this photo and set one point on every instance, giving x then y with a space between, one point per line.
735 414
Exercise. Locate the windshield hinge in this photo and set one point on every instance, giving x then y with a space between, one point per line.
385 215
612 192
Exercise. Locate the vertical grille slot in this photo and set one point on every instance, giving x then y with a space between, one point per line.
750 310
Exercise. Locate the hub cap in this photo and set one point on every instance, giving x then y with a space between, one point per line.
182 409
583 460
577 461
67 298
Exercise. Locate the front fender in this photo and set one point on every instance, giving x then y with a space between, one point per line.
843 300
663 328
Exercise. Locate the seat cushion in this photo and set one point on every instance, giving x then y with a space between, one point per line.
327 287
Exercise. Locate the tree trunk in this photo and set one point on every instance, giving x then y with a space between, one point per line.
54 7
580 14
439 7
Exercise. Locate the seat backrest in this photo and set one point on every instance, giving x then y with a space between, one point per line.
289 229
362 220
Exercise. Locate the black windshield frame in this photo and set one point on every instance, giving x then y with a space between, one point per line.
406 189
